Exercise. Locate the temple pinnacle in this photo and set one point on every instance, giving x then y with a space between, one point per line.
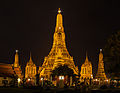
59 11
30 57
16 51
86 57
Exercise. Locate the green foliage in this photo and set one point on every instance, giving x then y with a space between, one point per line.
112 53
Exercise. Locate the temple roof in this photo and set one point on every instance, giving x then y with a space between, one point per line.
30 62
6 70
87 62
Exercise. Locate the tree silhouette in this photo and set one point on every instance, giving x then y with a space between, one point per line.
63 70
112 53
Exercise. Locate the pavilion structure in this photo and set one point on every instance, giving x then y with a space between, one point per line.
86 71
30 72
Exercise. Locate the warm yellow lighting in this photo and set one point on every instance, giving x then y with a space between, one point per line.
30 69
61 77
59 54
106 80
59 27
16 51
59 11
28 79
92 76
41 79
86 69
19 80
101 72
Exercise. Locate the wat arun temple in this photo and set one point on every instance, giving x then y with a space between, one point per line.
58 56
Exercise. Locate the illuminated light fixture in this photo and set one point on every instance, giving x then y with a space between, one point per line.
92 76
61 77
28 79
101 50
95 79
16 51
106 80
59 27
41 79
59 11
18 80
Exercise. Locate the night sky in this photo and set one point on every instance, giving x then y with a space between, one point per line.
29 25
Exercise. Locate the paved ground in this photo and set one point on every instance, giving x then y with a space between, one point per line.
33 90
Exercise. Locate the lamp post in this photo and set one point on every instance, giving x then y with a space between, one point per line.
28 79
19 82
42 79
91 79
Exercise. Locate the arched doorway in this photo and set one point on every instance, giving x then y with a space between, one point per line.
63 76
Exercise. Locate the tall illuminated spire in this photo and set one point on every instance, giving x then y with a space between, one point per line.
101 72
16 63
59 54
30 57
59 21
59 37
86 60
59 11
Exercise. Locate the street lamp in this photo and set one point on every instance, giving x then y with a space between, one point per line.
91 79
19 81
91 76
28 79
42 79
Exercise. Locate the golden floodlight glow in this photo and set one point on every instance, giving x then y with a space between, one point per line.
59 11
101 72
28 79
18 80
61 77
86 69
41 78
59 54
59 27
16 51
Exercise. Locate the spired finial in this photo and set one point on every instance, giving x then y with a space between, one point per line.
100 50
16 51
30 57
86 56
59 11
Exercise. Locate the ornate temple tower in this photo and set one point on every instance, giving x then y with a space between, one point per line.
16 66
30 70
101 73
16 62
86 70
59 54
